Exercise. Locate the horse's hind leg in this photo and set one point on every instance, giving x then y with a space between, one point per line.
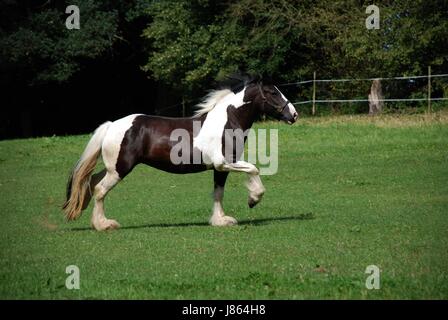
96 178
99 220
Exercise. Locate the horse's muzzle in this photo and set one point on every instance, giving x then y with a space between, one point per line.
294 118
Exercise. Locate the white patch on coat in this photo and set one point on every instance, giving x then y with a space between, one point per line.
209 138
114 137
291 108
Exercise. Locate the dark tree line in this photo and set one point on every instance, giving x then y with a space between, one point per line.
149 56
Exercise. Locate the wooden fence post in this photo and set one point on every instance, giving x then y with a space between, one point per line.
313 111
376 98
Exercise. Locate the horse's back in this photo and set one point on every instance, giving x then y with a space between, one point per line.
141 138
140 122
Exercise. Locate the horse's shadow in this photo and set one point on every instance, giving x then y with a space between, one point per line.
250 222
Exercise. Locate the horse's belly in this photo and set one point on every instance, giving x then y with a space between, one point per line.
176 168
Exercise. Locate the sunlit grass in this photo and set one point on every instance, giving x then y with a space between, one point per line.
351 191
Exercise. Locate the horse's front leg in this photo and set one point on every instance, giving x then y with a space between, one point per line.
218 217
254 184
256 190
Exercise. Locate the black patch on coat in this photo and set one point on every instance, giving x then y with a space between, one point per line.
148 141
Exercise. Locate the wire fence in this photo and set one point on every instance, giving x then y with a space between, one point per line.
363 79
181 106
313 100
366 100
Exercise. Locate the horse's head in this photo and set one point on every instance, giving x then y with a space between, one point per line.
273 103
264 96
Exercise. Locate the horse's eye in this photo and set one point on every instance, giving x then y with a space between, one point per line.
275 93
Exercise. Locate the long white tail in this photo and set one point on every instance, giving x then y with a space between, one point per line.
79 181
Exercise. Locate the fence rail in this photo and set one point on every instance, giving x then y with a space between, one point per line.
366 100
364 79
314 101
429 76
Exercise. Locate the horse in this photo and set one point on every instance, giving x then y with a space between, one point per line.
146 139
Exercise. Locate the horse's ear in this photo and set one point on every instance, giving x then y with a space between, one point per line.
254 79
268 79
259 78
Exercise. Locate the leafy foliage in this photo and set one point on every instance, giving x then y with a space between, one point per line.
183 46
38 46
196 41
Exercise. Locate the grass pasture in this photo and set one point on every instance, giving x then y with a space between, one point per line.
350 192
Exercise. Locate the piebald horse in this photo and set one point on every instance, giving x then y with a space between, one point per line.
140 138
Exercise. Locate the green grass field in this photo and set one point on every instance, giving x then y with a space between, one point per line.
350 192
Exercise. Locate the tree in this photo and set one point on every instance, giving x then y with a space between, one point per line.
193 42
41 60
39 47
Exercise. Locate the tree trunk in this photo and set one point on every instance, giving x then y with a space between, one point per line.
375 98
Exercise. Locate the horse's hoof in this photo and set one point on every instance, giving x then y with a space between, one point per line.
107 224
112 224
252 202
224 222
230 221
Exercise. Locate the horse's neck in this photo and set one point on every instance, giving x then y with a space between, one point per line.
243 116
